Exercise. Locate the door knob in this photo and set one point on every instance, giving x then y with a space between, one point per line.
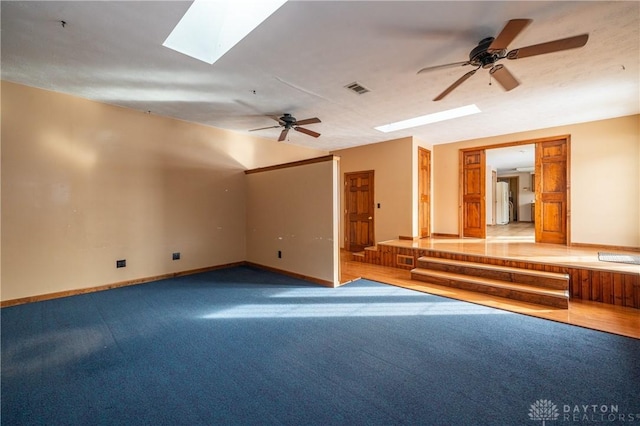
370 217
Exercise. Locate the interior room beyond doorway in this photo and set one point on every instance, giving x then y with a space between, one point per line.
510 205
514 231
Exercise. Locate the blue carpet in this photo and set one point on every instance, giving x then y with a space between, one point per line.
245 346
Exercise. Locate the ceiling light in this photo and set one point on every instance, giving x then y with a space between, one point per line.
525 169
210 28
429 118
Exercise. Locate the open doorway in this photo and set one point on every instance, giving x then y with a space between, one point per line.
511 193
549 186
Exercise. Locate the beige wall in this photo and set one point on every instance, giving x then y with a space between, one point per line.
605 180
294 211
393 179
85 184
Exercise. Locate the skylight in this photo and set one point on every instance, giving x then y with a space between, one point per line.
429 118
210 28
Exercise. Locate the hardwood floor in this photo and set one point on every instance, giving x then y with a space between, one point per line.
514 231
599 316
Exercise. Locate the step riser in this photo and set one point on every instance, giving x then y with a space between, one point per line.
541 299
515 277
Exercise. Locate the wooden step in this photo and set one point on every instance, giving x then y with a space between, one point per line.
495 272
357 256
516 291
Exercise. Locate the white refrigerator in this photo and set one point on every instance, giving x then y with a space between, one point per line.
502 203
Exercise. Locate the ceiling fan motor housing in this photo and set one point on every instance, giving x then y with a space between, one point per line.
288 120
479 55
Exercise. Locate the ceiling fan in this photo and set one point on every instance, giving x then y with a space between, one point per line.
490 50
288 122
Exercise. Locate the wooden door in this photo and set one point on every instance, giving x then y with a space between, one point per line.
552 185
424 192
473 187
359 210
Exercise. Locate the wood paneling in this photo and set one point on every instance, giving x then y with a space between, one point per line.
611 287
599 316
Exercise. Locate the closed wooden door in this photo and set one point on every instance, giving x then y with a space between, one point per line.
424 192
552 185
473 187
359 210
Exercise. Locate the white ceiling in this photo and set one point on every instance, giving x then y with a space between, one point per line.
507 159
299 60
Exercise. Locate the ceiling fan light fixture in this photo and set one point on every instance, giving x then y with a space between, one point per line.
430 118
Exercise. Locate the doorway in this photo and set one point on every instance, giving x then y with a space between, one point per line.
514 191
547 185
515 166
359 212
424 192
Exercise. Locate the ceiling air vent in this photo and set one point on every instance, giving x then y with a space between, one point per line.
357 88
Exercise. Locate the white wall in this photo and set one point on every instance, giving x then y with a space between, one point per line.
294 211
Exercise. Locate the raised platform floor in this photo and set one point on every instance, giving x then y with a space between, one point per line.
526 285
595 315
614 286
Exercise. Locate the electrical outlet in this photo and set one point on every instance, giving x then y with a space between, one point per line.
176 256
121 263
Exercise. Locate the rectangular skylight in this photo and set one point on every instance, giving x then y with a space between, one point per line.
210 28
429 118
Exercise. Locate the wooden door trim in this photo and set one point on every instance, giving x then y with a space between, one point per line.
468 200
427 190
566 141
535 142
518 143
347 241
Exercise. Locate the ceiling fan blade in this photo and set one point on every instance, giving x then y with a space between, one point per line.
308 121
276 118
437 67
549 47
504 77
508 33
283 134
263 128
307 131
457 83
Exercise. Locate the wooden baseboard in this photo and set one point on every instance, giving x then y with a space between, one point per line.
75 292
404 237
440 235
67 293
324 283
